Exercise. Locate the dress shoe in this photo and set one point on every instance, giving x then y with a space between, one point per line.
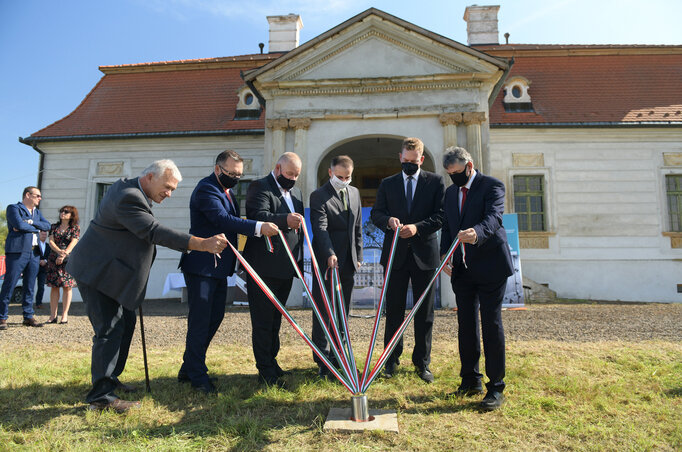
206 387
125 388
31 322
3 324
270 381
118 405
281 372
469 390
389 370
184 378
492 401
325 374
425 374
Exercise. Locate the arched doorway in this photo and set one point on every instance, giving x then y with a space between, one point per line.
375 158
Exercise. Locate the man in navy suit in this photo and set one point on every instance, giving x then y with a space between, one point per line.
474 205
413 200
24 222
213 210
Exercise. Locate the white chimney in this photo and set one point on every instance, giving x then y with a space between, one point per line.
481 24
284 32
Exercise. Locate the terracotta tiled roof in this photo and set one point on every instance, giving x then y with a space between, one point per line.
636 87
188 96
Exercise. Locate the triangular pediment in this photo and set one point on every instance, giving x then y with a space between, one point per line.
375 45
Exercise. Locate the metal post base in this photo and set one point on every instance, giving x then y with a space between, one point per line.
360 409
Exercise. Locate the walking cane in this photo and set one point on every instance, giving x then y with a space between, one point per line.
144 353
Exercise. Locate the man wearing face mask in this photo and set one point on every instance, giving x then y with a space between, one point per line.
336 219
474 205
213 210
275 199
412 200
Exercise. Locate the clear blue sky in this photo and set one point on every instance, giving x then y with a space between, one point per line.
50 50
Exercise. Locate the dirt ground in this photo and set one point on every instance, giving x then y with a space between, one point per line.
166 324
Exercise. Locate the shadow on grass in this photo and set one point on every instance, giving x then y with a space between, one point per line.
244 415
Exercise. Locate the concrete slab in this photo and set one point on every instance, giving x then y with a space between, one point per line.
339 420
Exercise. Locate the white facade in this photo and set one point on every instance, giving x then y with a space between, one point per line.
606 205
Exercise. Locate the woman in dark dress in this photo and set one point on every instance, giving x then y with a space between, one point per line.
63 237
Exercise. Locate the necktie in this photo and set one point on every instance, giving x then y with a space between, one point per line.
408 195
464 197
229 199
342 193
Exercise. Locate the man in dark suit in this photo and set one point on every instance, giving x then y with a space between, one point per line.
43 254
213 210
336 219
274 199
412 200
24 221
474 205
111 264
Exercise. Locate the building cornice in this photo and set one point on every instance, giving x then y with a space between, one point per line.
238 62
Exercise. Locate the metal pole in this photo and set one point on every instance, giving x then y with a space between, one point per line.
360 409
144 353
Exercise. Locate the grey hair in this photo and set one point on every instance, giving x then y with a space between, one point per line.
290 157
159 168
456 155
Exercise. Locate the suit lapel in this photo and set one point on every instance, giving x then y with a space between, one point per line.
277 193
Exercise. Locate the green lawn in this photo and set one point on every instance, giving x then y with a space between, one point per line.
561 396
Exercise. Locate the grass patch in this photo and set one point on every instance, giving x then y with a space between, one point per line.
561 396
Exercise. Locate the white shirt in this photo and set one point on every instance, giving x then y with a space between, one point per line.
414 182
285 194
468 186
42 245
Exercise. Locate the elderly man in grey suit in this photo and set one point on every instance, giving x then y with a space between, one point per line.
111 264
336 220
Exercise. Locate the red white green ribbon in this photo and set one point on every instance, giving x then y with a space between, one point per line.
382 298
333 345
287 316
399 333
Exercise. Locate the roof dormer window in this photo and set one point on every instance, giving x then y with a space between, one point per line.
248 106
516 97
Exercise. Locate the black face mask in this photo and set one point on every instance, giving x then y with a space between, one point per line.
227 181
285 183
410 168
460 179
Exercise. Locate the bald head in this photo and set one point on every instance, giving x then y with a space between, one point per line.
290 157
289 167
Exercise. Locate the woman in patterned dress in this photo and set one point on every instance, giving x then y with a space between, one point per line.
64 235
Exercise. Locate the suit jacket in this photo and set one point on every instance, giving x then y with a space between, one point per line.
335 231
426 215
264 202
211 213
116 253
489 260
22 240
44 254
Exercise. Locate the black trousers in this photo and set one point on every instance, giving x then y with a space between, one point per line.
40 291
396 293
265 323
473 297
114 326
206 299
347 275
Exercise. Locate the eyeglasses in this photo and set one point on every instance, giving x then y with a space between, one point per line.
36 196
230 173
65 211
